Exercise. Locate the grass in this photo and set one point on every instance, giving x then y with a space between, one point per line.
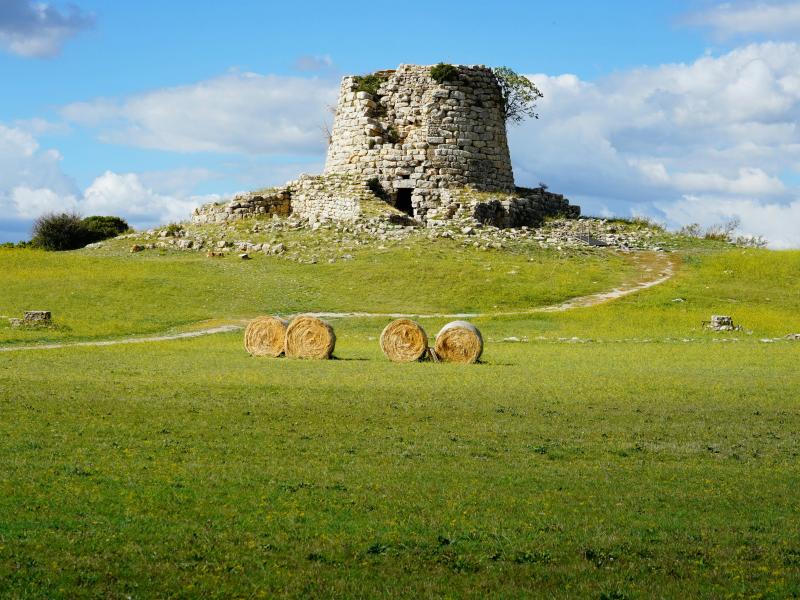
616 468
112 293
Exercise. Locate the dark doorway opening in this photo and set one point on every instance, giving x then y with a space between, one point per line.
403 201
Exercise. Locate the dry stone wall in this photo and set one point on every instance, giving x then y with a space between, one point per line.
420 135
526 207
317 198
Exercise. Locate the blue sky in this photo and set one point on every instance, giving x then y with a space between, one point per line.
684 111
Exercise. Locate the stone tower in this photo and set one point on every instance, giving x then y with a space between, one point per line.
417 136
435 150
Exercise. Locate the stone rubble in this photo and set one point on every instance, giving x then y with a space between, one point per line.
338 239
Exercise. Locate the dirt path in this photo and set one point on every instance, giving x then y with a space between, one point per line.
131 340
656 269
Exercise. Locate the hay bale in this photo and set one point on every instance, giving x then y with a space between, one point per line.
309 337
459 342
404 340
265 336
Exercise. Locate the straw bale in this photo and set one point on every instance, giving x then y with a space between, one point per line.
309 337
459 342
404 340
265 336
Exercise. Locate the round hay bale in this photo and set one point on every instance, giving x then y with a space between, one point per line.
309 337
265 336
404 340
459 342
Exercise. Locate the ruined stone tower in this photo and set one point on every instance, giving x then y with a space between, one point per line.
429 141
418 136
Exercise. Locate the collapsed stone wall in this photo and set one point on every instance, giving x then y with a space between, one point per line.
527 207
420 135
317 198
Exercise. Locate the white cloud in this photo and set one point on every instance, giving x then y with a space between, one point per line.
235 113
111 193
124 194
781 222
750 18
724 129
31 203
24 164
38 29
32 183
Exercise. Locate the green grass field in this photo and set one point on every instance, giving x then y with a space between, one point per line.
647 458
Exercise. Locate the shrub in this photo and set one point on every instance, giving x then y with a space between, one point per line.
64 231
68 231
369 83
173 230
102 228
442 73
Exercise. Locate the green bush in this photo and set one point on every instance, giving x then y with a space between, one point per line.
174 230
68 231
442 73
102 228
64 231
369 83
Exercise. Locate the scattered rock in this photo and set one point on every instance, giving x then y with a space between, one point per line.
244 256
722 323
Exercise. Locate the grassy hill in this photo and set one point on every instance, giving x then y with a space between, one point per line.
617 451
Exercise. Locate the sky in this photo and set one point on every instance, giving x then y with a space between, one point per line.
683 111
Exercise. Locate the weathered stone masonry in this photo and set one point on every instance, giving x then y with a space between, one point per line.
316 198
419 135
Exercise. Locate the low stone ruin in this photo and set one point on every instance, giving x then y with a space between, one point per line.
33 319
324 198
722 323
315 198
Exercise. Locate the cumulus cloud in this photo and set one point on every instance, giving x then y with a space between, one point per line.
32 183
724 129
24 164
236 113
749 18
39 29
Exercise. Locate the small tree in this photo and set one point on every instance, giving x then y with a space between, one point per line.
520 94
60 232
68 231
102 228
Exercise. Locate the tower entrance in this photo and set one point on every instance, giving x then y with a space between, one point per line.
403 201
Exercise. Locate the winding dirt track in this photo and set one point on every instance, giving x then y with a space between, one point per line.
656 269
